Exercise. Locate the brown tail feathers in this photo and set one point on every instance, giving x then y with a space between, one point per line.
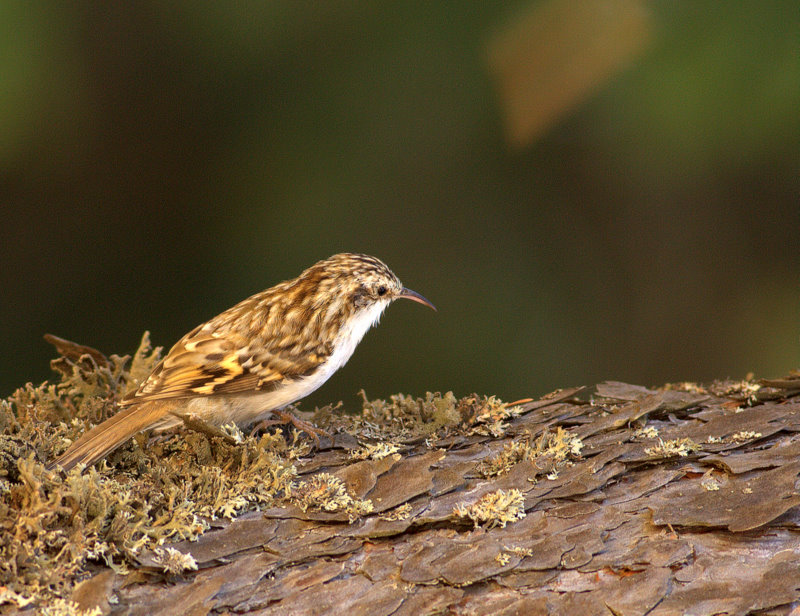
106 437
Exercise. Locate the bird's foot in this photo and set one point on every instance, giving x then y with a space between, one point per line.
287 418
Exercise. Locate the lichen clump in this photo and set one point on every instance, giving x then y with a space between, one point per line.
55 526
172 561
62 607
676 447
327 492
551 451
375 451
496 508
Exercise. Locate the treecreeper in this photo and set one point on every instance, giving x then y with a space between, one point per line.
257 357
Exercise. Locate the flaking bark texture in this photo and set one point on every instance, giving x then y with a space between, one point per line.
677 502
620 500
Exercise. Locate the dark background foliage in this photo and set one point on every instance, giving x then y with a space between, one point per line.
161 161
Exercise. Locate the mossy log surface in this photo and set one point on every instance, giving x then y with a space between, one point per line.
618 499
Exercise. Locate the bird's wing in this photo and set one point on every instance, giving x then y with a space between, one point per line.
205 363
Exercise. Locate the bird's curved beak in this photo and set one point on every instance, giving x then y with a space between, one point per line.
414 296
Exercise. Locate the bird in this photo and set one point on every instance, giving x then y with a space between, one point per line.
255 358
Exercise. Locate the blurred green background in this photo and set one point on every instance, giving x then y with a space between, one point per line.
632 218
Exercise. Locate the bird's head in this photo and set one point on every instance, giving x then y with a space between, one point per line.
367 282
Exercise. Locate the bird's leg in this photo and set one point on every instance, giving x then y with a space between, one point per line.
288 418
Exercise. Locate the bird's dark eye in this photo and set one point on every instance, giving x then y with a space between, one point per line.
381 290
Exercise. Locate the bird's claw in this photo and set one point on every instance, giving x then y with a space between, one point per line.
287 418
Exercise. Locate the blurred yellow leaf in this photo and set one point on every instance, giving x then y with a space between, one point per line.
555 54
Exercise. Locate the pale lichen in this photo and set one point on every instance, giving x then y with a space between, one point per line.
687 386
434 415
375 451
744 435
502 462
746 390
518 550
646 432
55 524
172 561
550 452
676 447
62 607
401 512
496 508
710 484
327 492
505 555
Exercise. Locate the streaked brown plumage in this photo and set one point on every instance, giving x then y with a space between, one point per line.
257 357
